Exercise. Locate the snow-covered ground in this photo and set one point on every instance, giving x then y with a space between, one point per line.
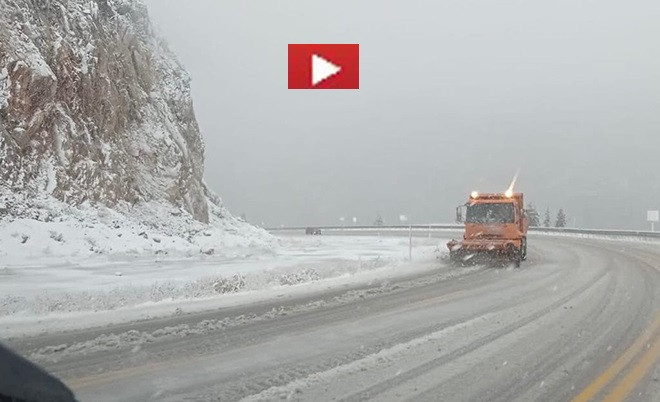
42 230
39 293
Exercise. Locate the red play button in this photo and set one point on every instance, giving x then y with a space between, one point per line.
324 66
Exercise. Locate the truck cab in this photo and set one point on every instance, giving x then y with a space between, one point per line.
495 225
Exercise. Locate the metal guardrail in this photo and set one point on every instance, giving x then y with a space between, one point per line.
384 227
599 232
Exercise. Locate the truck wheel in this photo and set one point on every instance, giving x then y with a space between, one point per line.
523 248
515 254
517 258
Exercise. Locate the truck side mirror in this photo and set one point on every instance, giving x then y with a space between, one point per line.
459 214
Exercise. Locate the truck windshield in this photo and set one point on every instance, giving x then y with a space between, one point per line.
490 213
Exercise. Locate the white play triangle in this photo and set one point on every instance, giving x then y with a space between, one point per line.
322 69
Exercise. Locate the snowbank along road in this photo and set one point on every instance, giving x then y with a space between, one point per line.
580 320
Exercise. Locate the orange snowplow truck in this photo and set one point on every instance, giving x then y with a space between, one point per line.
495 226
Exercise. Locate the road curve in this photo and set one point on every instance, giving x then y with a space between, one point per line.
580 320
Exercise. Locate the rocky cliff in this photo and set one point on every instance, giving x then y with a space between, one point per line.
94 108
100 152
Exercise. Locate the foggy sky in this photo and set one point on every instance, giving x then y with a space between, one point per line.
454 96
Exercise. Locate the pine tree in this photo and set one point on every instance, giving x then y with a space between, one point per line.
533 217
379 221
546 219
561 219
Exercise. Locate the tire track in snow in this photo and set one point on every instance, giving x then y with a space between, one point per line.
373 359
371 392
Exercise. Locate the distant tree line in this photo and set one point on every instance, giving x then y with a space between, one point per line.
534 218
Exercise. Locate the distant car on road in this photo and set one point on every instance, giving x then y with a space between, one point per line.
313 231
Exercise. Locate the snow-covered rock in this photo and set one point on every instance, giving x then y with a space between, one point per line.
97 128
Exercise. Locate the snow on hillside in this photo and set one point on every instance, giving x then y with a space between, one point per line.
100 152
86 233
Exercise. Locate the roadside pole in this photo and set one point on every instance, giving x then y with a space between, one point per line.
410 243
653 216
402 219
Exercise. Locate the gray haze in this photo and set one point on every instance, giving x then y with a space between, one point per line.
455 96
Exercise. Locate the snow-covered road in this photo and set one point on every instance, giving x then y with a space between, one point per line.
580 319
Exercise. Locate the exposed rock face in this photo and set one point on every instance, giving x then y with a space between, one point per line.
94 108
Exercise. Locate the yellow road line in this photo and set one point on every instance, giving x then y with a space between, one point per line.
612 371
628 383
